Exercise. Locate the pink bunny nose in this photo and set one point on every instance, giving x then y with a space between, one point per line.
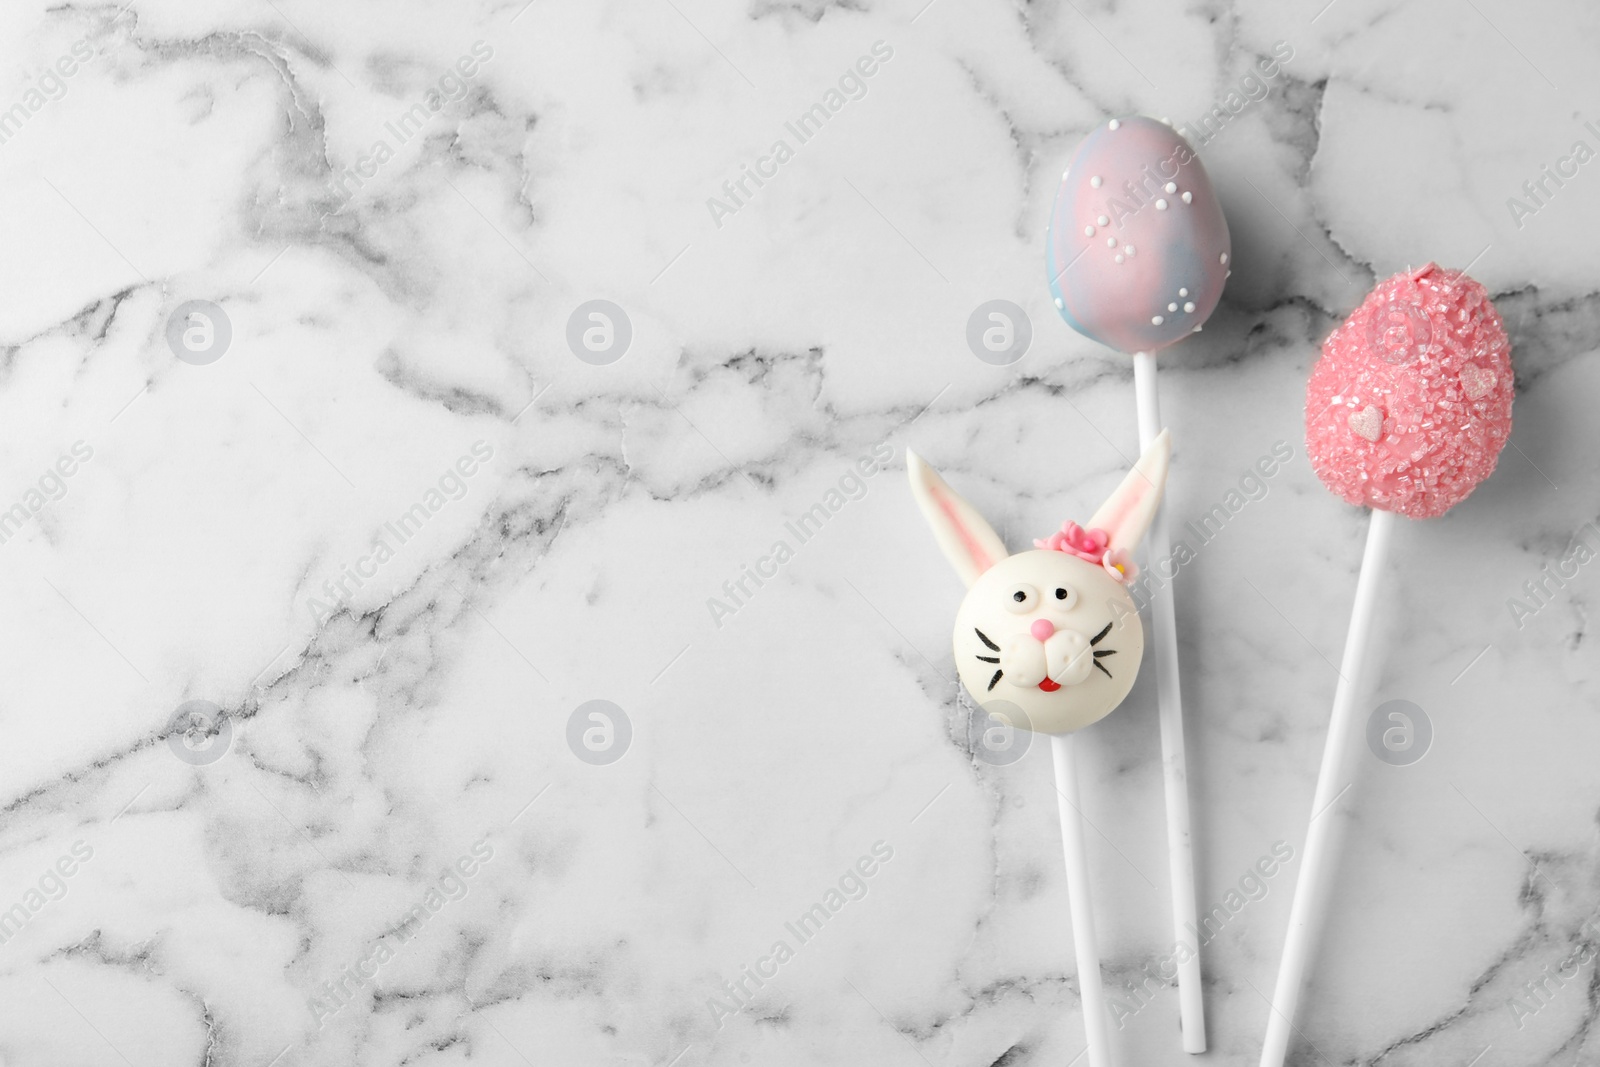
1042 629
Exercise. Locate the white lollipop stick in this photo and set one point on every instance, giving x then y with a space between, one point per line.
1034 617
1078 897
1174 760
1321 851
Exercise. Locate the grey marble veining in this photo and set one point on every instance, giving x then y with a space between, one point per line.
399 532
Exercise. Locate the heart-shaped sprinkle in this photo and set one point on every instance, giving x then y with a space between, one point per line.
1476 382
1368 422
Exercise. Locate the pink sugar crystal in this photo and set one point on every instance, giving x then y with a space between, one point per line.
1410 404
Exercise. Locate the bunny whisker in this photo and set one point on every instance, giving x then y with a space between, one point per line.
1102 667
990 659
1095 640
995 680
1098 653
985 639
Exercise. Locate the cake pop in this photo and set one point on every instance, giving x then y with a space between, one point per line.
1406 412
1048 639
1410 404
1138 246
1137 254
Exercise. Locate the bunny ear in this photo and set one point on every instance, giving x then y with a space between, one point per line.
1130 510
969 543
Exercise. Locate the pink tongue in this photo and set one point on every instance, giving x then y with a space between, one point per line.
1048 686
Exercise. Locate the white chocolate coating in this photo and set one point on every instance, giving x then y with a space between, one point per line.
1046 639
1093 675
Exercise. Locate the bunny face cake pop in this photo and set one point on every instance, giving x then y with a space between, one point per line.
1138 248
1410 403
1051 631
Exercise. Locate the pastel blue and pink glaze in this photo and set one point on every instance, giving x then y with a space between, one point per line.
1138 249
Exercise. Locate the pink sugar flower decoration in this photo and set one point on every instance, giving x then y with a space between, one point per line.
1119 564
1076 541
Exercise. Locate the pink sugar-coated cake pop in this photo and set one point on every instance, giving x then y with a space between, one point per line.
1410 404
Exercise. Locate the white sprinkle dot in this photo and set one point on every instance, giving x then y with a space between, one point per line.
1088 231
1058 301
1065 173
1172 307
1188 197
1172 187
1189 307
1197 329
1161 205
1224 257
1183 292
1157 320
1095 181
1119 257
1128 249
1102 220
1111 242
1115 124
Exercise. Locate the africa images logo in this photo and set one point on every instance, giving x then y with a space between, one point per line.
450 86
52 486
852 85
852 485
453 885
452 485
852 885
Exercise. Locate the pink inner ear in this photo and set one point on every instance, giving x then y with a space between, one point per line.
975 552
1121 507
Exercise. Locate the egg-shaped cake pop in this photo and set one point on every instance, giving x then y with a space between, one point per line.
1410 404
1138 248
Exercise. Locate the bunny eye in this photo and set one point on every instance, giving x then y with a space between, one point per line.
1021 599
1062 598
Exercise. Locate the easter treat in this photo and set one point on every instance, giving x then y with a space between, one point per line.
1410 404
1137 250
1406 412
1048 639
1137 253
1050 630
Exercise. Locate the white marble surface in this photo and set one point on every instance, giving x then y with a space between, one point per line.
192 157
